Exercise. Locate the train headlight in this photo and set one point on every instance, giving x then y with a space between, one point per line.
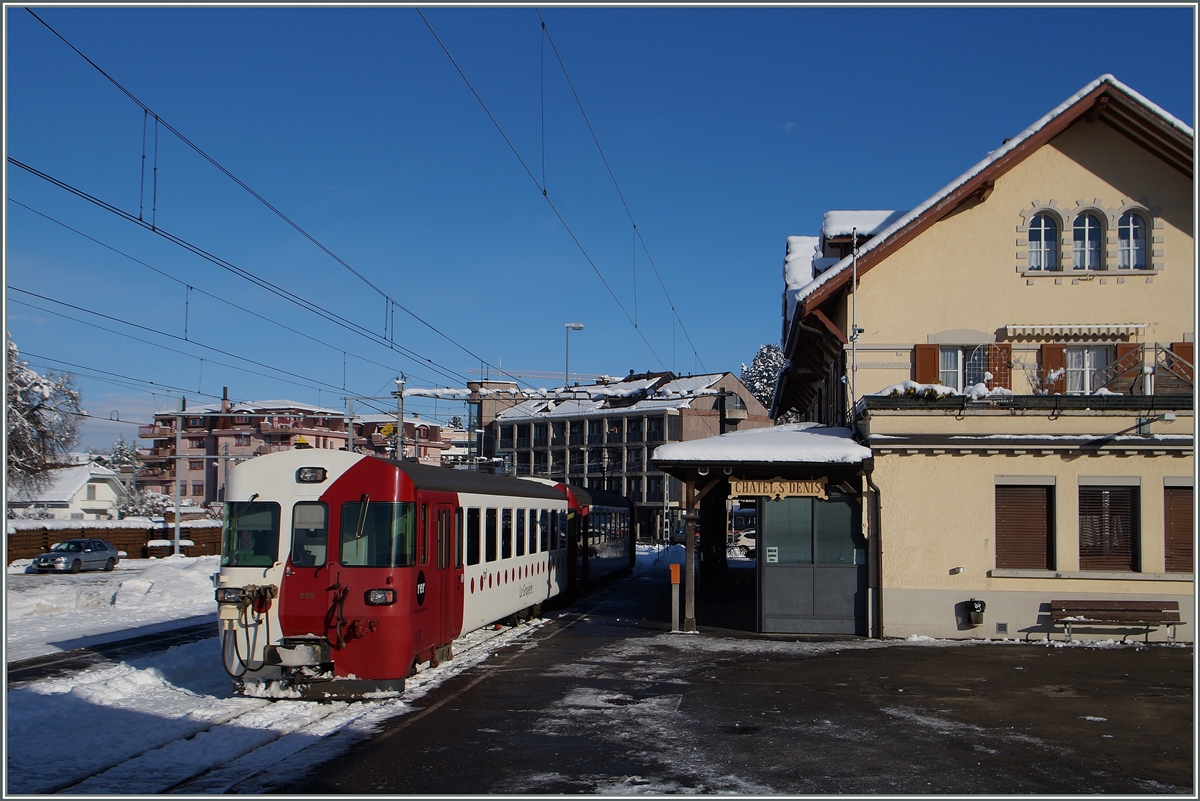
380 597
310 475
229 595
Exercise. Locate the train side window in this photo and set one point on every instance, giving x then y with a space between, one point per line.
506 534
458 537
378 534
520 533
310 530
472 536
424 533
489 533
544 528
533 531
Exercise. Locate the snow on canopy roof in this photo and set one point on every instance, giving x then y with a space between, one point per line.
868 223
901 222
807 443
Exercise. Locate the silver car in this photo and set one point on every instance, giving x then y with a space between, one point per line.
71 556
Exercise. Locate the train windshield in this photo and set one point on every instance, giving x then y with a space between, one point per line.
250 534
378 534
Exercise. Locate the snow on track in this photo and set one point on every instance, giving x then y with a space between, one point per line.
169 722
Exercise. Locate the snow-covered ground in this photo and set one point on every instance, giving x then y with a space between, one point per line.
170 721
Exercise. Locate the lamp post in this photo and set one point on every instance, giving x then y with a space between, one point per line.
567 372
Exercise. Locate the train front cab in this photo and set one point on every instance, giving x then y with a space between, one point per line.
365 567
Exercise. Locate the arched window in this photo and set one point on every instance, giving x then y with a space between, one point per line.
1131 242
1088 236
1043 243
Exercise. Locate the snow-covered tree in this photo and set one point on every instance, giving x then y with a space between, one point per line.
144 503
760 377
42 422
120 454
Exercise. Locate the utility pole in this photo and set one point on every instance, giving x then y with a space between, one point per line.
178 467
400 417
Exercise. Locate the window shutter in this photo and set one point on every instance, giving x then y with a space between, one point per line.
1108 528
925 364
1024 525
1054 358
1000 364
1183 350
1177 519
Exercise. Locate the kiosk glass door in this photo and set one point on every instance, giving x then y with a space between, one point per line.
812 566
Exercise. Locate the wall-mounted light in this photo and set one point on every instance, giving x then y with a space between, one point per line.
727 471
702 471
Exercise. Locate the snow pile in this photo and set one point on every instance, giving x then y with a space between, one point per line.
793 442
911 389
58 612
867 222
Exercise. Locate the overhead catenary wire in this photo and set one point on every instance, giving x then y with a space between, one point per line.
617 186
158 120
541 187
243 273
210 295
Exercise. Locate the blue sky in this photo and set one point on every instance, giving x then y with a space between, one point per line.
727 129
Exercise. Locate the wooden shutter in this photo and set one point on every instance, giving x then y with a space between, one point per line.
1000 364
926 364
1054 357
1183 350
1024 527
1108 528
1177 520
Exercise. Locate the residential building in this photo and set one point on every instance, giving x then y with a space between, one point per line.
1017 354
85 490
601 435
375 433
213 437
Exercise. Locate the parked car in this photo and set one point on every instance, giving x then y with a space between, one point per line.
746 542
71 556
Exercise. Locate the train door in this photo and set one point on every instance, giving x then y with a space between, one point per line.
449 570
304 601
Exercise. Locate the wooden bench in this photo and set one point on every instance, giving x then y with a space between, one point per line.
1131 613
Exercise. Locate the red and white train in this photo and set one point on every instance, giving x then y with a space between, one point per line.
340 572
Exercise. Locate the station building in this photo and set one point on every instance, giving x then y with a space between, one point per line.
1015 356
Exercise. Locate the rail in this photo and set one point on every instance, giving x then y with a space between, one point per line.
1131 362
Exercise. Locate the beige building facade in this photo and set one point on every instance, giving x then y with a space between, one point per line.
1017 353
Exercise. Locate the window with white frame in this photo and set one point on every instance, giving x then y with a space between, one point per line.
1131 242
1043 243
1088 235
1082 363
959 368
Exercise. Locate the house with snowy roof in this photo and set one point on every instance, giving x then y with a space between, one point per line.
83 491
599 435
1015 357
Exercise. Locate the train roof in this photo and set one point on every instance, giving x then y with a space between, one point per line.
444 479
597 497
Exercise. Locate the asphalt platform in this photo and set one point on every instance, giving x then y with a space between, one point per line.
603 699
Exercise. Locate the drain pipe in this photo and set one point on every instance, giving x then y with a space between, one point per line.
874 594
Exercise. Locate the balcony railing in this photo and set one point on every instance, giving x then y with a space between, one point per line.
1172 372
1123 375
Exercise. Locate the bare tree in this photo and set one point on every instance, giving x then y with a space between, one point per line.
42 422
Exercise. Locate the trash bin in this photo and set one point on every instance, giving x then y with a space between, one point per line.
975 611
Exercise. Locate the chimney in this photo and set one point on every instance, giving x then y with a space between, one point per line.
224 400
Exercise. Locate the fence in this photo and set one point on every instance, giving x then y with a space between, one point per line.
28 538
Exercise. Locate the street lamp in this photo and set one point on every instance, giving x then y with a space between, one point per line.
567 372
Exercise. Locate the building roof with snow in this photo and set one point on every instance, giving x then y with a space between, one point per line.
66 482
1172 137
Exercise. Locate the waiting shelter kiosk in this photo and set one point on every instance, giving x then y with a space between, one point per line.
814 564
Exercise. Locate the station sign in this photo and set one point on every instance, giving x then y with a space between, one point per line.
778 488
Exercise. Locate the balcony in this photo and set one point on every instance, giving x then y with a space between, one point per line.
155 431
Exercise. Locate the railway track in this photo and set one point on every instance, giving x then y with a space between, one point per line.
242 743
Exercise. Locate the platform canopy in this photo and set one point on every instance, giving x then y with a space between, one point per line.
808 446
